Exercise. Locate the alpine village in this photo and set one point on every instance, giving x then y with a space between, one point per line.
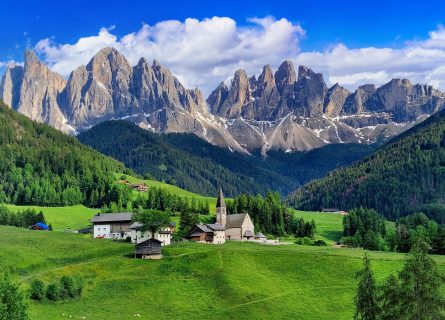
222 160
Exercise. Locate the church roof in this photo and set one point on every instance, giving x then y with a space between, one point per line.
259 235
220 202
235 220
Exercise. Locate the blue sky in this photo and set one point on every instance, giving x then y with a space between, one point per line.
356 25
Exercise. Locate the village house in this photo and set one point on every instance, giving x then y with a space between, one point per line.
164 235
120 226
334 210
140 186
148 249
111 225
208 233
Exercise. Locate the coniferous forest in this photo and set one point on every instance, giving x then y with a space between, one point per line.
42 166
191 163
405 176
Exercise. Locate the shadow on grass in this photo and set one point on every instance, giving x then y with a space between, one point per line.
332 235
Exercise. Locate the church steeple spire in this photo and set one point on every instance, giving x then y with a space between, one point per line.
220 202
221 210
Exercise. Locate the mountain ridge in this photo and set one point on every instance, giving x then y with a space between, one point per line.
283 110
404 175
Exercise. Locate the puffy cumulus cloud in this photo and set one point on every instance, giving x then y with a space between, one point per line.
419 61
201 53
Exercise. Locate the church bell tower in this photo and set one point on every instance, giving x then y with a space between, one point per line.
221 210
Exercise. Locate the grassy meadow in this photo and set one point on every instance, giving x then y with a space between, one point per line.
329 225
231 281
73 217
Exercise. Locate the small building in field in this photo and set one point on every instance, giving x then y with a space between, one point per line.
334 210
148 249
40 226
208 233
141 187
260 236
138 236
111 225
330 210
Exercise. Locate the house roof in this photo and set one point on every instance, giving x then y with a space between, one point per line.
216 227
235 220
203 228
259 235
148 241
172 224
112 217
137 225
220 202
330 210
248 233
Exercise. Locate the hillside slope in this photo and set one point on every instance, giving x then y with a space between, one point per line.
231 281
397 179
40 165
198 166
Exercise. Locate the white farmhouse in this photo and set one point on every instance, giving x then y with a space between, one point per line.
120 226
111 225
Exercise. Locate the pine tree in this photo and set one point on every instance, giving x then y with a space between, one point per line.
420 284
366 300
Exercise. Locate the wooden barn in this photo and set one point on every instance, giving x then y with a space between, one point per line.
149 249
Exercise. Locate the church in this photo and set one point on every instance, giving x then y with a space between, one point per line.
234 226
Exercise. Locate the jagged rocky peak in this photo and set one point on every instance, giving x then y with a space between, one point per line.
310 90
285 75
237 96
355 103
38 92
217 98
334 100
10 85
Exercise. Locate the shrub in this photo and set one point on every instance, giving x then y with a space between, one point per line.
351 242
53 291
320 243
37 290
67 287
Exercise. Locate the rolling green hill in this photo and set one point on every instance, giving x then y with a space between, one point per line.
230 281
193 164
42 166
405 175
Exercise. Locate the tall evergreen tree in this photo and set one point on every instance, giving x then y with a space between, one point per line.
420 283
366 300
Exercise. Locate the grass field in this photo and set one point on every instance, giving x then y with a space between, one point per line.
73 217
329 225
231 281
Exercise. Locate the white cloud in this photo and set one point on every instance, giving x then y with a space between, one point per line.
199 52
202 53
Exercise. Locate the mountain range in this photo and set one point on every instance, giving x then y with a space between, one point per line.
282 110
